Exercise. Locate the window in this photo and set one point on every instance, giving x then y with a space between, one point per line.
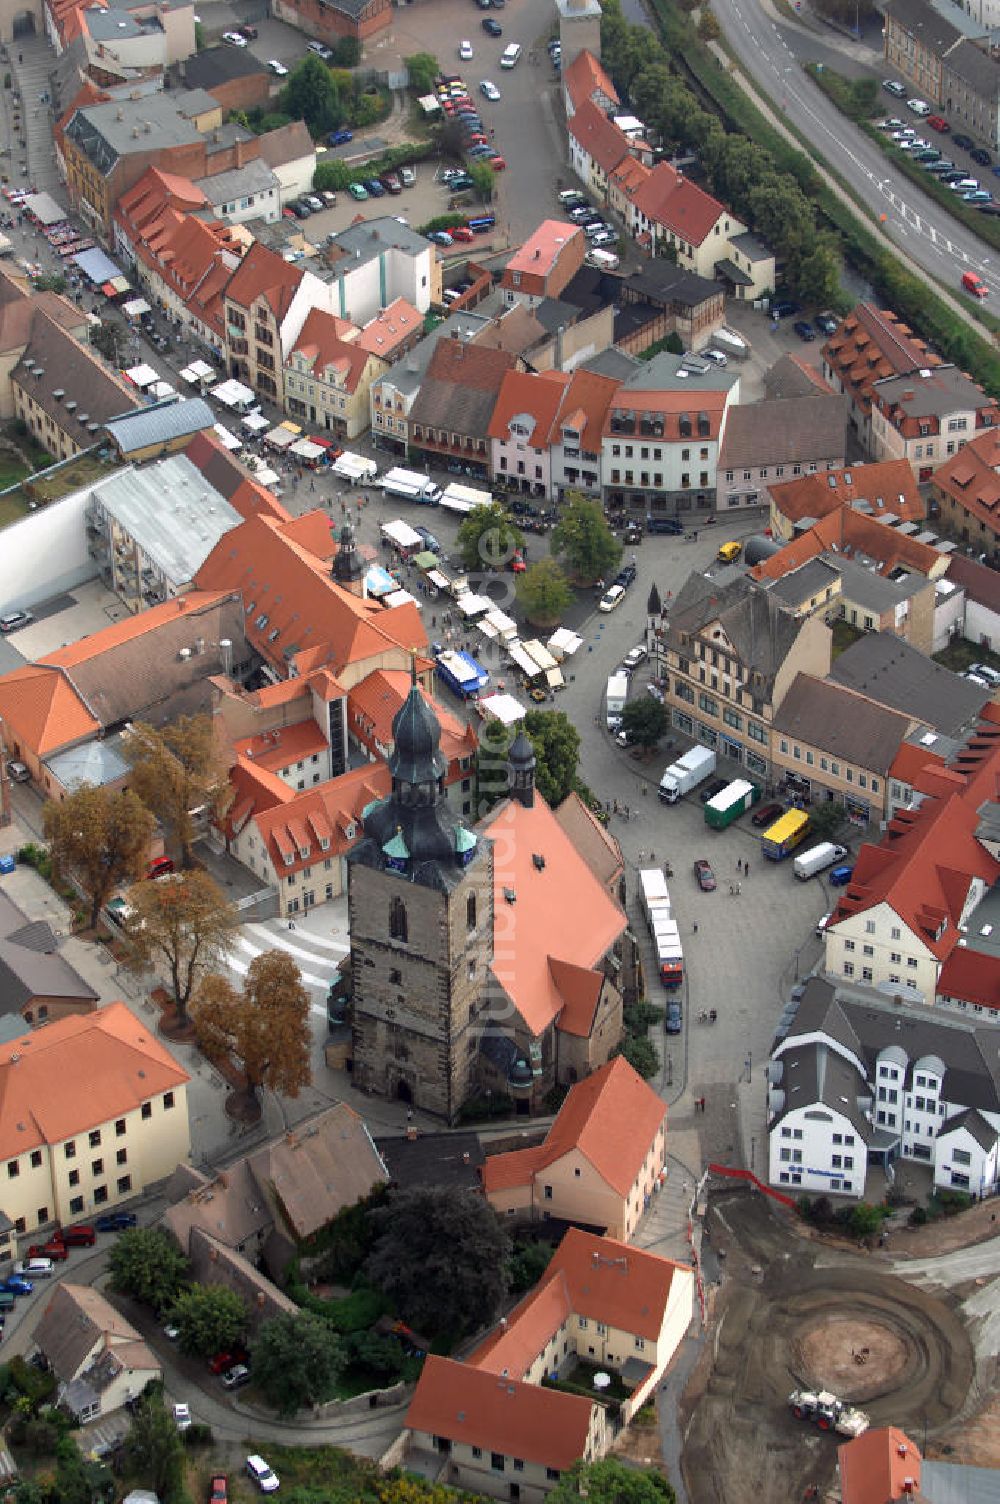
97 1167
121 1158
497 1458
36 1159
76 1206
398 923
100 1195
470 912
70 1149
168 1100
124 1185
477 1451
848 968
120 1128
147 1110
869 926
95 1138
547 1192
13 1169
961 1157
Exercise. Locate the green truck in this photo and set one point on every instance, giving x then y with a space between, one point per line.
734 800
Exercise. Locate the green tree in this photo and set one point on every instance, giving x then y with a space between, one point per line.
154 1451
825 820
645 720
640 1053
817 277
311 95
101 836
333 176
543 592
556 744
273 121
110 338
611 1482
441 1258
487 538
423 68
51 282
265 1026
210 1318
185 923
297 1361
146 1264
865 1220
709 29
582 537
179 773
483 180
365 110
346 52
528 1263
380 1355
79 1480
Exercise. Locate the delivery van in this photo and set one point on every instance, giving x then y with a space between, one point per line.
729 552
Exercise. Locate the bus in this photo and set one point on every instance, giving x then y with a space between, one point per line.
784 835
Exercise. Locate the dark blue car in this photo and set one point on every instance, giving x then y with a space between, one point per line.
116 1221
341 137
17 1285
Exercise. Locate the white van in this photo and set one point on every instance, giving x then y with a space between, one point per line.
605 261
511 53
919 107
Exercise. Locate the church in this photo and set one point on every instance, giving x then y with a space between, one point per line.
485 960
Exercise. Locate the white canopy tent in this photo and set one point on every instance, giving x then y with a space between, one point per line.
503 708
471 604
161 390
255 422
280 438
563 643
228 439
234 394
503 626
400 598
142 376
135 308
305 449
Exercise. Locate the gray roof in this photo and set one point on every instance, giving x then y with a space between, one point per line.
973 1122
217 65
115 25
929 24
660 281
104 132
434 1159
956 1483
892 672
790 377
160 424
70 383
801 585
812 1073
932 392
253 177
752 248
289 143
672 373
877 592
785 431
610 362
407 374
98 763
172 514
30 963
370 237
868 1026
841 723
761 629
977 69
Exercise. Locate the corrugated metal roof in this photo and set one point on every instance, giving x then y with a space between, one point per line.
160 424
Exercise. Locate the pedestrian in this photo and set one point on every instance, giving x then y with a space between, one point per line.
732 890
695 931
739 889
291 924
652 854
641 856
746 869
628 813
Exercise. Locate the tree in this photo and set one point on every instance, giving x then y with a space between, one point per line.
640 1053
311 95
154 1451
101 836
611 1482
817 278
826 819
543 592
556 744
709 29
51 282
146 1264
483 180
492 768
210 1318
184 921
297 1360
487 539
441 1258
346 52
423 68
178 773
265 1025
79 1479
645 721
582 536
110 339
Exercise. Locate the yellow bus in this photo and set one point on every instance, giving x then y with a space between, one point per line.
784 835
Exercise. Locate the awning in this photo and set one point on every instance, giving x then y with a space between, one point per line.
266 477
197 372
280 438
142 376
437 579
306 450
234 394
731 272
114 286
254 421
315 438
379 581
554 678
473 605
503 708
400 598
228 439
43 207
135 308
425 559
161 390
503 625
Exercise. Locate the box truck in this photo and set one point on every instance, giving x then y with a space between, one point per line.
616 694
465 499
818 858
412 486
727 806
355 468
784 835
686 773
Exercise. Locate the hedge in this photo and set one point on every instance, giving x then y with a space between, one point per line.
338 175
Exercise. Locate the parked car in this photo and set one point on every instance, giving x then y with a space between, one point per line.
18 772
612 599
826 323
314 202
218 1489
236 1377
54 1249
704 874
784 308
391 182
766 814
234 39
986 672
440 237
341 137
822 923
12 621
465 51
182 1417
78 1236
894 87
635 656
116 1221
300 209
321 50
407 176
15 1284
356 190
278 69
160 866
710 790
492 28
674 1021
223 1362
626 575
262 1475
938 123
965 142
247 31
41 1268
981 155
375 189
461 232
490 90
804 330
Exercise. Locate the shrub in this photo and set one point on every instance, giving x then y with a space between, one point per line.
639 1016
478 1108
198 1434
918 1216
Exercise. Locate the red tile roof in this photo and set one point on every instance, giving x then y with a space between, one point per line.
971 976
910 759
293 829
611 1118
585 406
391 329
324 346
872 343
586 77
875 1467
598 136
536 396
463 1404
888 486
561 911
543 249
371 708
280 748
265 274
971 478
849 532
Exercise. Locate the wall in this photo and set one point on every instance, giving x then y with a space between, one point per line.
12 11
891 937
982 626
46 552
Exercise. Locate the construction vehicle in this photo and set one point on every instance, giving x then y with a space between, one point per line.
826 1411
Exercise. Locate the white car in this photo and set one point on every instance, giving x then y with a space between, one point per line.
490 90
182 1417
634 657
465 51
614 598
262 1475
234 39
34 1268
278 68
821 924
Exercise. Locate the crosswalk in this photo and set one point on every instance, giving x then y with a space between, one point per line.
316 956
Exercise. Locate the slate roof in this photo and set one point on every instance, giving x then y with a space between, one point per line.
792 376
973 1122
30 963
889 670
845 724
784 431
761 630
660 281
219 65
433 1159
75 1318
460 388
53 361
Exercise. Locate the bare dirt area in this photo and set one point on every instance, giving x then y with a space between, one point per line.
973 1226
975 1442
790 1315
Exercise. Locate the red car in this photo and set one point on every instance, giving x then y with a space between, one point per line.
497 163
222 1361
938 123
706 877
160 866
766 814
461 232
78 1236
219 1491
517 564
53 1249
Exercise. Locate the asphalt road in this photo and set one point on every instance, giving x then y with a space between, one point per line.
772 53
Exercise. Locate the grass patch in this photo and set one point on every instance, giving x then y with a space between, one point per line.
13 508
960 654
844 636
327 1475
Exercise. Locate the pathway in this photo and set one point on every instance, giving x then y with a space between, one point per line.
31 62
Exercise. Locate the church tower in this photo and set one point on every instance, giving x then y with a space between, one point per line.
420 904
348 565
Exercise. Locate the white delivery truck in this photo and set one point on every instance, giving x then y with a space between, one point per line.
617 694
465 499
411 485
731 343
355 468
818 858
686 773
